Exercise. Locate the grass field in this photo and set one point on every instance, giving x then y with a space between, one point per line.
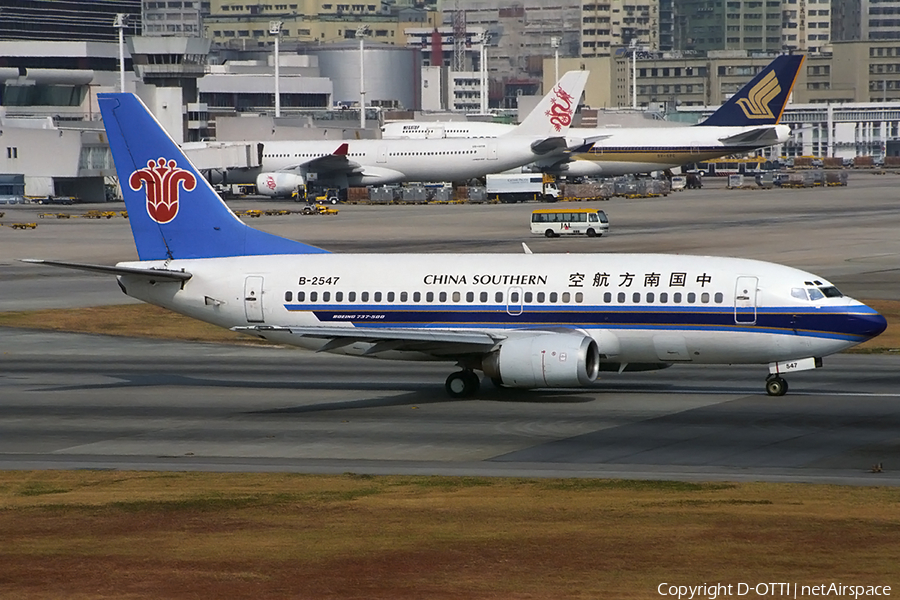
144 320
200 535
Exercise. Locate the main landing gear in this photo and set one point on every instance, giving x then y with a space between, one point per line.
462 384
776 385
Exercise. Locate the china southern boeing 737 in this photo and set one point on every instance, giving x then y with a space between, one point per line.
747 121
524 320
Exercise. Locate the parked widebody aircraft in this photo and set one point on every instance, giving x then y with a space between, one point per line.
524 320
747 121
289 165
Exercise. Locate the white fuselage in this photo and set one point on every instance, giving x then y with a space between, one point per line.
396 161
639 308
620 151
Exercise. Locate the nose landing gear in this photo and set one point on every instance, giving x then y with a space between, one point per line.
776 385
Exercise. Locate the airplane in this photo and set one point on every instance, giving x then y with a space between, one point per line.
523 320
287 166
747 121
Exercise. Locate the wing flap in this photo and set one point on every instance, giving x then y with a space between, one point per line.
435 341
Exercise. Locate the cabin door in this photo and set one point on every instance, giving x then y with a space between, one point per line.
253 301
492 151
514 301
382 154
745 300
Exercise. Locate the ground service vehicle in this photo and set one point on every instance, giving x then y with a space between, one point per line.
521 187
554 222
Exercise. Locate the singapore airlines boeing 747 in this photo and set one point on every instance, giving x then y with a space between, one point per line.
523 320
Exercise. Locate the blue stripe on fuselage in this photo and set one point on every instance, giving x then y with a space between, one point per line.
823 322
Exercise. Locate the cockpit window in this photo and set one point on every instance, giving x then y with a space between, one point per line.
799 293
815 294
831 292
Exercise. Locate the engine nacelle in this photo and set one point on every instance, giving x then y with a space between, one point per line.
545 360
376 176
279 185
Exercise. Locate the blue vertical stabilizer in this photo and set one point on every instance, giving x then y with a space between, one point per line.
173 210
761 101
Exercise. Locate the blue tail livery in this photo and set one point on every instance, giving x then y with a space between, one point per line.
174 212
761 101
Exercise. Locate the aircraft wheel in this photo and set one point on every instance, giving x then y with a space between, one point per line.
591 233
776 386
462 384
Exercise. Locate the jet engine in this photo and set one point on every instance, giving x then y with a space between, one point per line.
545 360
279 185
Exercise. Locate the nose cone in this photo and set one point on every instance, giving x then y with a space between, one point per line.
867 325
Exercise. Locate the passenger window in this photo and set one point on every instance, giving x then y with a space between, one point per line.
540 297
483 296
566 297
377 297
636 297
442 296
429 297
514 297
404 296
704 297
470 296
498 297
663 297
553 296
390 296
339 296
650 297
607 297
288 296
313 296
691 297
364 296
301 296
620 297
351 296
417 296
529 296
579 297
676 297
326 296
456 296
720 297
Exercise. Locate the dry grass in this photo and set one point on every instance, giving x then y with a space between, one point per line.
193 535
144 320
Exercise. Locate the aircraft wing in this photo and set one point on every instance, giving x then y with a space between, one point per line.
108 270
432 341
336 162
754 137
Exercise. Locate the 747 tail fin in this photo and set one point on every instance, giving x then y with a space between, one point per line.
762 101
173 211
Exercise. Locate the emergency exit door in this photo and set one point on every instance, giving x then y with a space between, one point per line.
745 300
253 300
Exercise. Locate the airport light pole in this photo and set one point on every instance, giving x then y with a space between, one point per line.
361 32
484 77
554 43
119 24
275 30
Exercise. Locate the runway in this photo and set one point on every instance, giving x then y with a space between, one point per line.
79 401
97 402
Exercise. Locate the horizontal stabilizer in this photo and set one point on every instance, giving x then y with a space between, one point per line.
108 270
755 137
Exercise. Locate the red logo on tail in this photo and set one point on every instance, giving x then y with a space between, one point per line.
560 112
161 180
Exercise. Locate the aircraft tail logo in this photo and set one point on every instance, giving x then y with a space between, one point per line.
561 109
763 99
162 181
756 104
